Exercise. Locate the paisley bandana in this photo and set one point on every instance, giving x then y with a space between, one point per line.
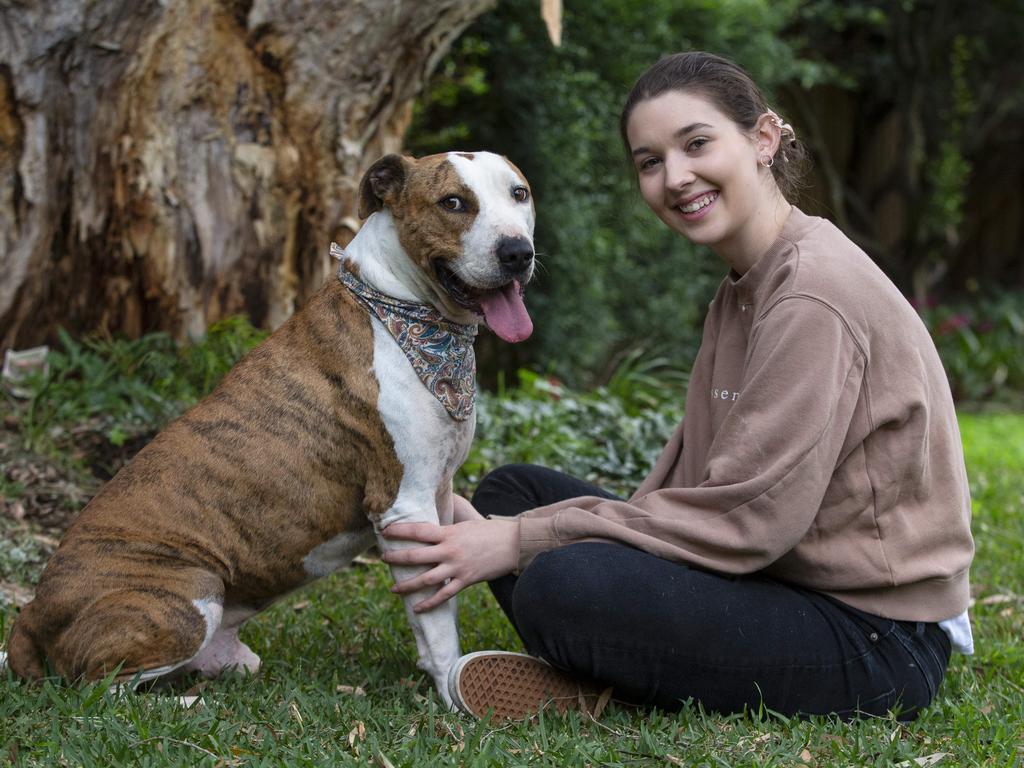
440 351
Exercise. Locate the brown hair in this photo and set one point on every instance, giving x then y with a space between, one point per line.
726 85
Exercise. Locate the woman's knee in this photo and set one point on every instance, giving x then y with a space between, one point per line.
502 491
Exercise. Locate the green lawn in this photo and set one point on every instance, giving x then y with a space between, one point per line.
349 632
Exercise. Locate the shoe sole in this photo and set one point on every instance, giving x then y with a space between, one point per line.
513 686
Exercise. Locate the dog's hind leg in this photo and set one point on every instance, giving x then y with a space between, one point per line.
147 632
224 651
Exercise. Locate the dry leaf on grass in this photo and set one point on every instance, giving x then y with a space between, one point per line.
997 599
933 759
354 690
358 733
602 702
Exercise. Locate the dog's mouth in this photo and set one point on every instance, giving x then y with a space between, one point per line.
502 308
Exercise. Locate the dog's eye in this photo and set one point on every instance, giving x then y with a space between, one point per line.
453 203
521 194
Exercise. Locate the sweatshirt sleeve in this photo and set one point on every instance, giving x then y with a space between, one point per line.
767 469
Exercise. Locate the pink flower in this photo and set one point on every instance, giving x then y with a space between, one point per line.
953 323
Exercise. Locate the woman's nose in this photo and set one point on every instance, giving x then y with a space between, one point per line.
678 171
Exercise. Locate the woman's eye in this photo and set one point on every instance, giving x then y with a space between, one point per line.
520 194
648 162
696 144
453 203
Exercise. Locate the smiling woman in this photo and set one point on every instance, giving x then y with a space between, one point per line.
803 542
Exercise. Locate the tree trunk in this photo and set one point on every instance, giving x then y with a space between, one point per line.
164 163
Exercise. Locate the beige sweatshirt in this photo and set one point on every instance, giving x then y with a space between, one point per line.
819 445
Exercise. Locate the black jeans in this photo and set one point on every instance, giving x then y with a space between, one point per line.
661 632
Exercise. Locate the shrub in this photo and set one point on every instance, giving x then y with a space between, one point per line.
981 343
608 436
127 387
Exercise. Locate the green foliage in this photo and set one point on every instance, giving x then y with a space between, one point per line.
609 436
129 386
21 559
981 343
611 276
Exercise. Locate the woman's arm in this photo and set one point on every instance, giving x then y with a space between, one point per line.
767 469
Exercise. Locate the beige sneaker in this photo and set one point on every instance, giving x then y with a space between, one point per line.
514 686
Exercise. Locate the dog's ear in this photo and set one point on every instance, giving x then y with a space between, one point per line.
381 184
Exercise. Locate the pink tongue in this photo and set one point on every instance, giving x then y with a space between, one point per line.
506 314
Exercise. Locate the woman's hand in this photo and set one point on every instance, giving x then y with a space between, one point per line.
475 549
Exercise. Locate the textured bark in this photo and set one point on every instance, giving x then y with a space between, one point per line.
166 163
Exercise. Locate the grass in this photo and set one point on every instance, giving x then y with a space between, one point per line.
339 685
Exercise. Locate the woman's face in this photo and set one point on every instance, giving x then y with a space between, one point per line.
698 171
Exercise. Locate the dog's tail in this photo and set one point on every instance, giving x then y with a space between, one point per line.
23 657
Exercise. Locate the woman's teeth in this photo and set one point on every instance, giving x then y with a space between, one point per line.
699 203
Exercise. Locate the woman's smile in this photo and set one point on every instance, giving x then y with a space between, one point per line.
696 207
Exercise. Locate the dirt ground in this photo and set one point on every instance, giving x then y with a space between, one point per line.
49 492
41 495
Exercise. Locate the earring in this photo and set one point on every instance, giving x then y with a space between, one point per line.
767 161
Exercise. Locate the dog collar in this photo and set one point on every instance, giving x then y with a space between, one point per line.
440 351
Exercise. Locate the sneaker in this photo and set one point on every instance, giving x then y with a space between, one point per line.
514 686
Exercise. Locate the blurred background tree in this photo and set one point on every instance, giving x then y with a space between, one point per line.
912 111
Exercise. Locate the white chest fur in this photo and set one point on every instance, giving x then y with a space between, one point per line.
429 444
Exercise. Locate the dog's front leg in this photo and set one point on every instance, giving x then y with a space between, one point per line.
436 631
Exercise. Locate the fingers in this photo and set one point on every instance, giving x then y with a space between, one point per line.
450 587
432 578
447 592
414 556
425 533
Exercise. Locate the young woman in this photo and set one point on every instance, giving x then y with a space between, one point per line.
803 542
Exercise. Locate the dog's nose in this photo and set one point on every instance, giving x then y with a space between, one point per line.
515 253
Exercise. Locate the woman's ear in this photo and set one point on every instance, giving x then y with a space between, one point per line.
767 136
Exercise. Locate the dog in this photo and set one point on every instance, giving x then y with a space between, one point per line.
317 440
